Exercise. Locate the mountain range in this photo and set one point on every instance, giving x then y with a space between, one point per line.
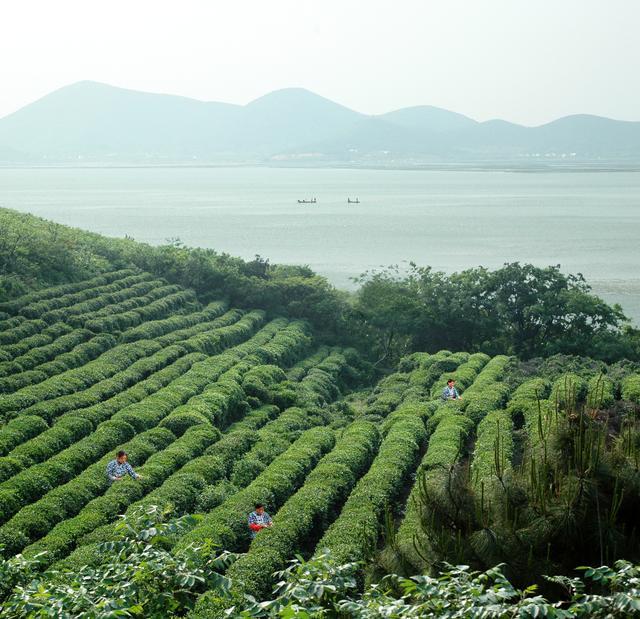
91 122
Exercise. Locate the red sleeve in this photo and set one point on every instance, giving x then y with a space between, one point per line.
255 527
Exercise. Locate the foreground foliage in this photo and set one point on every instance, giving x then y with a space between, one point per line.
138 576
321 588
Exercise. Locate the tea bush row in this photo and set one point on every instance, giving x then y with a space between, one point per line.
42 354
37 303
180 491
29 484
81 354
76 424
354 535
36 520
150 311
14 305
114 382
226 526
136 285
77 379
152 329
44 337
61 539
309 511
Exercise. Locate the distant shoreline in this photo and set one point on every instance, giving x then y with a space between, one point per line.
454 167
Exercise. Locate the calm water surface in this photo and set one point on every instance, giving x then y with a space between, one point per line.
587 222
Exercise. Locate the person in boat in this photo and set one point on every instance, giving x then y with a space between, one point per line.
119 467
259 519
450 392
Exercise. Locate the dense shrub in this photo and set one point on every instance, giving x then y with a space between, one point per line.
151 329
135 576
307 513
323 587
631 388
51 292
355 533
34 521
227 524
61 539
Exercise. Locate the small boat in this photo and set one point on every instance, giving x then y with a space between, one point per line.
350 201
312 201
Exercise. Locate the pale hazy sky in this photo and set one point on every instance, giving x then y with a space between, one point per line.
527 61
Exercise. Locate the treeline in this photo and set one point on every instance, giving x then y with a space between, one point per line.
518 309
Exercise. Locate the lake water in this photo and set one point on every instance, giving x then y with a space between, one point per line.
588 222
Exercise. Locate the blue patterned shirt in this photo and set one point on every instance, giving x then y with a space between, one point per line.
115 469
262 519
450 393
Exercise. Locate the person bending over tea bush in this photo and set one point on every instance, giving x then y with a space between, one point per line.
119 467
259 519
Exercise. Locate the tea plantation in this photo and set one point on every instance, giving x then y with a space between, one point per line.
536 467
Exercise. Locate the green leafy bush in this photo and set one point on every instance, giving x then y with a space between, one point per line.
306 514
631 388
355 532
135 576
227 524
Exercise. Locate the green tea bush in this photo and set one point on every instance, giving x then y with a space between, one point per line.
600 392
464 374
568 390
180 492
301 369
82 353
215 494
152 329
355 532
447 441
19 332
493 449
42 354
46 336
14 305
71 381
529 391
136 298
308 511
137 285
61 539
151 311
36 304
45 442
227 524
34 521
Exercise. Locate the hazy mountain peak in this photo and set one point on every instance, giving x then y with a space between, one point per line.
429 118
98 122
286 98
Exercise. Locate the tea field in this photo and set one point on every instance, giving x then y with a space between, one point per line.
537 466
